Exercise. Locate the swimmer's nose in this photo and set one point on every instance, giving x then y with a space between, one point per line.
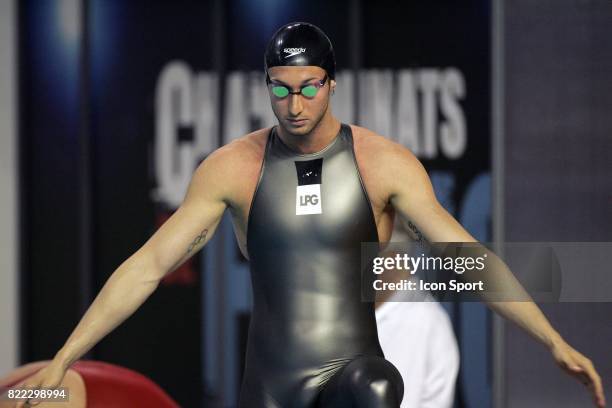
295 105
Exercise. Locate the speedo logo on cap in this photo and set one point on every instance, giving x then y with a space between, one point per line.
293 51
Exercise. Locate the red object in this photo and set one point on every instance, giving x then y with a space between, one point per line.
112 386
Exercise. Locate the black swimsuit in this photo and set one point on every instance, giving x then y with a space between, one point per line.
312 340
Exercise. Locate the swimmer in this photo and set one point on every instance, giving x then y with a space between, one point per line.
303 196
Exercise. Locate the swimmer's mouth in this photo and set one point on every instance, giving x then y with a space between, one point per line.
297 122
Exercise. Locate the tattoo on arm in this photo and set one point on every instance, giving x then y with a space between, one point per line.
418 237
197 240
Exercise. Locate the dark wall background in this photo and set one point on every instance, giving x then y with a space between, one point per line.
558 174
49 130
87 126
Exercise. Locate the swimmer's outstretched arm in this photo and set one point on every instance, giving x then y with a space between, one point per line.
181 236
414 200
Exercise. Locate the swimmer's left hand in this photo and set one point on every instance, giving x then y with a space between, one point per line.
580 367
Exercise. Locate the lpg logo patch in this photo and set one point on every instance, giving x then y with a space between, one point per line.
308 199
308 191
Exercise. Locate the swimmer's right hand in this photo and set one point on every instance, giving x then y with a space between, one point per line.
49 377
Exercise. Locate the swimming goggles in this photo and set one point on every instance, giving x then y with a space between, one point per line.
308 90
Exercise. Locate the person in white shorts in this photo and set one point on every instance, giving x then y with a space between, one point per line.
417 336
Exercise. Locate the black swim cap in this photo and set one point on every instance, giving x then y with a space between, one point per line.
300 44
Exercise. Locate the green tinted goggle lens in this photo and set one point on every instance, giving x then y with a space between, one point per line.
280 91
308 91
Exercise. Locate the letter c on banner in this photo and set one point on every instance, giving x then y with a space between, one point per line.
173 109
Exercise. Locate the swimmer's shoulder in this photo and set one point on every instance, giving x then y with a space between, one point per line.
236 165
387 167
240 154
374 149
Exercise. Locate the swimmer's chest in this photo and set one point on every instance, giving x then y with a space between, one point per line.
314 199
